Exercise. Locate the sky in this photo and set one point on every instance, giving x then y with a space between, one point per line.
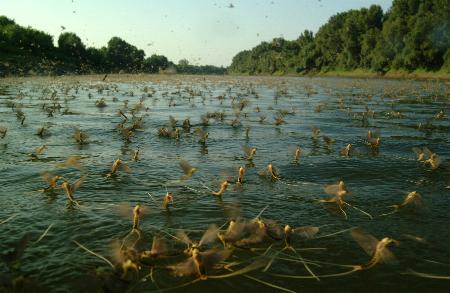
201 31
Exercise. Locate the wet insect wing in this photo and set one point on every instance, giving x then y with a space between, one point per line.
209 236
126 168
256 237
48 177
386 256
247 150
274 230
172 121
186 268
186 167
126 211
306 232
73 161
263 172
335 189
183 237
332 189
78 183
159 247
367 242
39 150
234 232
212 257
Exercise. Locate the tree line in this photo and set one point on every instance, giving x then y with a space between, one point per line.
24 50
411 35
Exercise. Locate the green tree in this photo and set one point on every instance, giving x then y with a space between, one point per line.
124 56
71 45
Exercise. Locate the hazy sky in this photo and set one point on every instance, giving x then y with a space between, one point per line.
204 32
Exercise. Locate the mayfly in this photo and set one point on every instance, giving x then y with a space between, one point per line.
249 152
159 249
168 199
223 186
52 182
412 199
3 131
375 248
297 154
208 237
348 150
187 169
241 172
38 151
80 136
373 140
269 171
340 192
203 135
117 164
69 189
200 264
136 154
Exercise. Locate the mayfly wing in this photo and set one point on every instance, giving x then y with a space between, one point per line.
186 268
367 242
185 166
306 232
210 235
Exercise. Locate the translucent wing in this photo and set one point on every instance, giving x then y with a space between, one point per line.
307 232
262 172
115 251
186 268
274 229
73 161
126 168
182 236
212 257
386 256
40 150
159 246
418 151
78 183
47 177
332 189
125 210
367 242
437 162
426 151
172 121
247 150
210 235
233 211
257 236
185 166
235 231
201 133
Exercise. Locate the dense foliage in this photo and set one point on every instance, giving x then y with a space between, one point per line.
413 34
27 51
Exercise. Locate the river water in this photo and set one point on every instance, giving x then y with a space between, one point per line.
343 109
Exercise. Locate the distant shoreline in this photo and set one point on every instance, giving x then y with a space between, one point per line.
361 74
420 75
415 75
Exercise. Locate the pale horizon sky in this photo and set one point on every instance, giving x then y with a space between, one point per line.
201 31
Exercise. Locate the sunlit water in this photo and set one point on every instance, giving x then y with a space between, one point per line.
376 180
